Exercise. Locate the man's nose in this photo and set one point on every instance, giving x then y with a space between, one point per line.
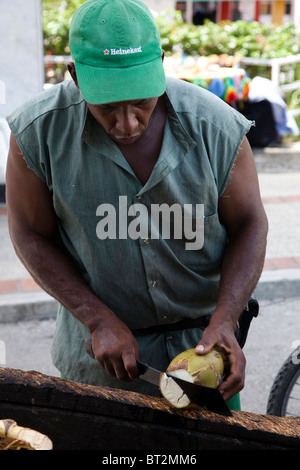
126 121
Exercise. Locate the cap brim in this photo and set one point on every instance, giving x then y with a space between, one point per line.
109 85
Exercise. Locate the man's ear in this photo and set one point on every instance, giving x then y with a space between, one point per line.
72 72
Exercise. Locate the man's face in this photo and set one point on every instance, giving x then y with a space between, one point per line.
125 121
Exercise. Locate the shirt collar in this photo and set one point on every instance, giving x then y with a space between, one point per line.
177 143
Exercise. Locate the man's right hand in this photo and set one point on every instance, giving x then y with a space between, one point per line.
115 348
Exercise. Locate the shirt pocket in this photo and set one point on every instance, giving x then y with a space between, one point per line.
207 259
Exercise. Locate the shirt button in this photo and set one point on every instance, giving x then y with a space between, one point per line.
154 283
146 241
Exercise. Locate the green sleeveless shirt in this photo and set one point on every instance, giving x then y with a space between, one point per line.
102 210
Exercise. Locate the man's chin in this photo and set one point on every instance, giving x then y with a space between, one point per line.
126 140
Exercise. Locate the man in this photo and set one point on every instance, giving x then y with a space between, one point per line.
135 203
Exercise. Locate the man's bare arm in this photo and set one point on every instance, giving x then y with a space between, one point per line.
241 211
32 224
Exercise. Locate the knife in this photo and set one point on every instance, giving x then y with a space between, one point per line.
208 398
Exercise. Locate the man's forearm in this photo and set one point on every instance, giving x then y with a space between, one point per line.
113 343
55 273
242 265
241 269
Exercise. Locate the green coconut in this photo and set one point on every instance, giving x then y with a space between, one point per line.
207 370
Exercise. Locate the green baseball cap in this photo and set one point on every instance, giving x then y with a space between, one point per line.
117 51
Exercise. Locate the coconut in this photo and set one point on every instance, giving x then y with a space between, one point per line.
207 370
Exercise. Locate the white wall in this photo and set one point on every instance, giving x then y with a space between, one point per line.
21 61
160 5
21 52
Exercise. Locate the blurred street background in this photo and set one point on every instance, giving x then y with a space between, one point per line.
247 53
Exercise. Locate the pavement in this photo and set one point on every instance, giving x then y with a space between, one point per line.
27 314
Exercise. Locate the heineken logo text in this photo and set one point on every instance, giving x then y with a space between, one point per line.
119 51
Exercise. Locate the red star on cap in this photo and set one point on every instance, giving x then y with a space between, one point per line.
106 52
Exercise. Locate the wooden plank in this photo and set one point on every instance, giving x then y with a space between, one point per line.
85 417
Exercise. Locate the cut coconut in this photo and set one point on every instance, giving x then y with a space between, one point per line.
172 392
206 369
